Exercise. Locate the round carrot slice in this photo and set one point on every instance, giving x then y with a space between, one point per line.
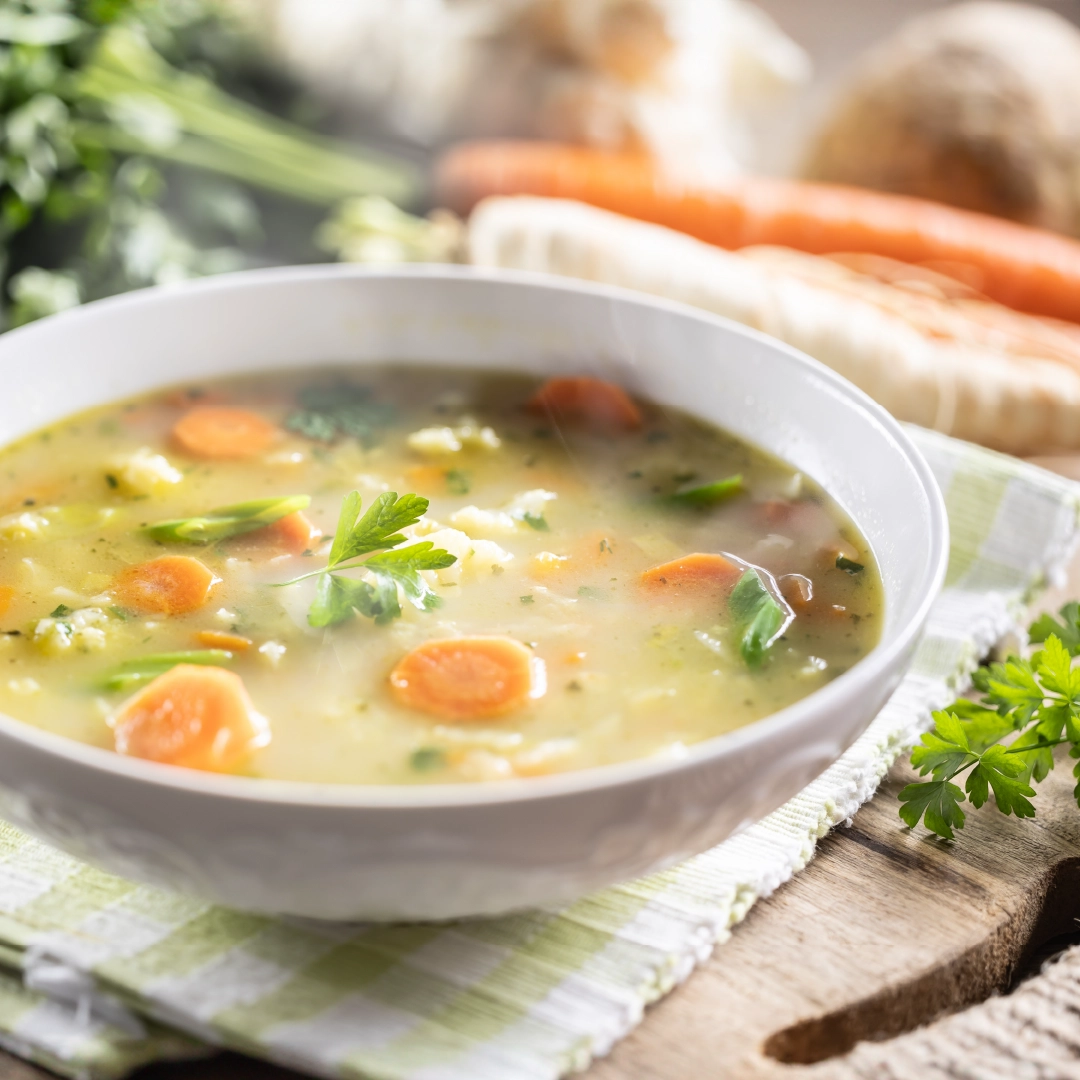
222 433
195 716
592 402
293 534
692 575
171 585
468 678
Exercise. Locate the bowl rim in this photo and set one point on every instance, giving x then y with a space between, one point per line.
404 797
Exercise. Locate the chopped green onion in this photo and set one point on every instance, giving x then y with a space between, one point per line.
227 521
710 494
144 668
850 565
427 758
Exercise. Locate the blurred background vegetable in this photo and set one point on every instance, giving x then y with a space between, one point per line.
977 105
125 162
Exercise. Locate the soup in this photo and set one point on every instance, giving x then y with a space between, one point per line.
410 575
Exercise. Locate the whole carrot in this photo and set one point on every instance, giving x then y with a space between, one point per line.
1024 268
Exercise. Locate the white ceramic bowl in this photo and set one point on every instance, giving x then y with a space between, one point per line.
449 850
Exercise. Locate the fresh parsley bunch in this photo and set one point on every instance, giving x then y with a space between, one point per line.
338 597
95 97
1004 742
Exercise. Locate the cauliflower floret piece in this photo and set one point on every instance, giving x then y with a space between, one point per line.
476 522
487 557
144 472
524 506
480 438
437 441
26 525
529 503
80 629
474 557
433 441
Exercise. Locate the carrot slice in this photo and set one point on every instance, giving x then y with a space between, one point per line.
171 585
195 716
583 400
219 639
293 533
7 594
694 574
469 678
222 433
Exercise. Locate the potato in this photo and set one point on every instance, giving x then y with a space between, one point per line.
977 105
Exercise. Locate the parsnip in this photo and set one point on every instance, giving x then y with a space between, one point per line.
964 366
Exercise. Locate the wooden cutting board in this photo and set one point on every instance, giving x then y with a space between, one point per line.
885 930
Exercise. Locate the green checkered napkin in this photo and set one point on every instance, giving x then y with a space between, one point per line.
108 968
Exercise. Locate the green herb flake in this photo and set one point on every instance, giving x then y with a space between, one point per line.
527 599
536 521
590 593
59 611
227 521
457 482
112 481
341 409
849 566
707 495
428 759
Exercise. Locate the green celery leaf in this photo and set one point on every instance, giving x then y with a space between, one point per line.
536 521
757 615
1001 771
378 528
937 802
1011 687
945 751
144 668
227 521
403 566
1067 628
713 494
849 565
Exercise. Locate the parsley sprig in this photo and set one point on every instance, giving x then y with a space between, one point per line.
339 598
1036 700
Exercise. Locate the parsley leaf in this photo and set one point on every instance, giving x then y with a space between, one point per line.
338 598
403 565
536 521
1003 772
1038 698
759 618
378 528
343 408
1012 688
227 521
945 751
937 802
1066 629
